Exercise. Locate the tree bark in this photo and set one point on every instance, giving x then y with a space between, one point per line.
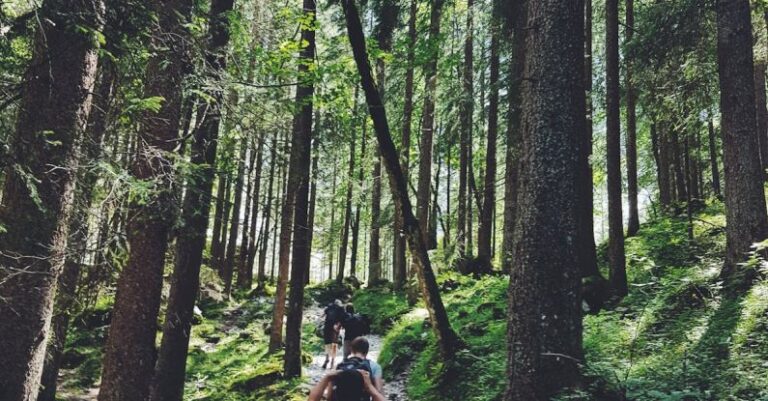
399 270
347 211
516 15
261 279
217 248
299 182
677 165
761 114
129 354
633 219
312 197
545 280
77 247
447 341
247 262
466 110
713 160
229 258
616 258
358 206
37 199
744 196
170 370
485 232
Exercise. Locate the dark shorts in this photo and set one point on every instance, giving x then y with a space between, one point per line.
330 335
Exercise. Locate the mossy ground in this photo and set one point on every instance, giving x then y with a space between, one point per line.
673 338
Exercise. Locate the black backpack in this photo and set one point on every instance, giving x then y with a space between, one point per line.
356 325
355 363
333 314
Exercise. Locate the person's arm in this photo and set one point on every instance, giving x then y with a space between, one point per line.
379 382
370 388
316 394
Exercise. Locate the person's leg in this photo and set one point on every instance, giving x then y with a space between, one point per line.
327 354
333 355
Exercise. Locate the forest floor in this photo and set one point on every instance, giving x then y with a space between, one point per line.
673 338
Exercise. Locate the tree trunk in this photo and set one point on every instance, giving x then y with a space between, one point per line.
616 258
516 25
485 232
266 216
665 179
398 259
347 211
633 220
388 17
247 250
229 258
299 183
217 248
37 200
221 260
428 124
290 185
170 371
129 354
446 338
466 110
744 196
677 164
333 223
544 359
358 206
713 160
77 246
594 290
761 114
312 197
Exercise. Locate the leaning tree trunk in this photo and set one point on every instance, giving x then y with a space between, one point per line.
744 196
300 162
129 354
544 327
616 258
77 245
399 269
447 341
37 199
633 219
170 370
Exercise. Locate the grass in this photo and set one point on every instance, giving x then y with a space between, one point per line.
673 338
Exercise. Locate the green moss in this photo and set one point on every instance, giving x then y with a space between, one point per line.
382 306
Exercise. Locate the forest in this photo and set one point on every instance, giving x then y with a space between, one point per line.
470 200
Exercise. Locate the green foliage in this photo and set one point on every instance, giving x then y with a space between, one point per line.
382 306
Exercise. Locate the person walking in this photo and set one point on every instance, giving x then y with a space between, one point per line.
333 316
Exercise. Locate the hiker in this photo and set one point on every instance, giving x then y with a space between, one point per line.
355 325
345 385
333 314
357 378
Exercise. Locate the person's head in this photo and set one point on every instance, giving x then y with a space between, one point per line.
360 346
337 302
350 308
348 386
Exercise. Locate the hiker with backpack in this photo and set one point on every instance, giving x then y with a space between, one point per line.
356 379
334 315
355 325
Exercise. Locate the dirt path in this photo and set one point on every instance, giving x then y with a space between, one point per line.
394 390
